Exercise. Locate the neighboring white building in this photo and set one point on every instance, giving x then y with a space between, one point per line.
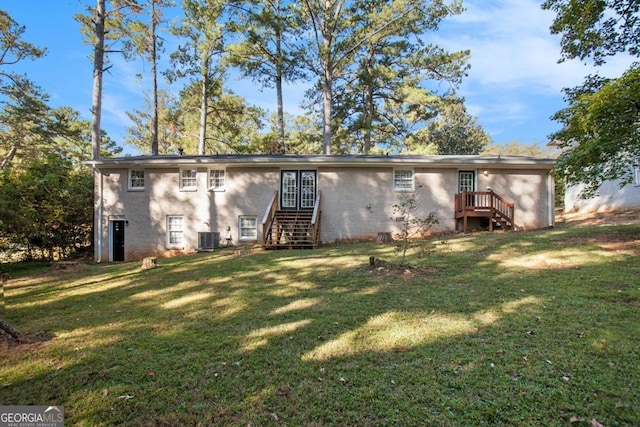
166 205
609 197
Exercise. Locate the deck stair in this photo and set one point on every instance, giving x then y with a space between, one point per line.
484 204
291 229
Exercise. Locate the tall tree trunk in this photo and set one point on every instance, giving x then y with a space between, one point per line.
324 17
279 72
98 64
369 108
154 75
204 105
327 90
326 112
96 111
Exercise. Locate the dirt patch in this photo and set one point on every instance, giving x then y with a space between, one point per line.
66 267
630 216
29 339
385 269
610 241
628 242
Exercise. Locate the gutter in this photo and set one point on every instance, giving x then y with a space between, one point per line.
511 162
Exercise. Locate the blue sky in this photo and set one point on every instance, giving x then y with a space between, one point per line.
514 84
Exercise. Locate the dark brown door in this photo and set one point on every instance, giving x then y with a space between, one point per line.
117 239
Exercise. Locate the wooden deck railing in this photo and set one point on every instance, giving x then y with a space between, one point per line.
267 220
484 204
315 220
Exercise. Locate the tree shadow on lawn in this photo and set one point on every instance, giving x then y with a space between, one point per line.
267 339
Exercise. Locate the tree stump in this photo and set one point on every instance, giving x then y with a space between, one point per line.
150 262
4 325
384 237
10 331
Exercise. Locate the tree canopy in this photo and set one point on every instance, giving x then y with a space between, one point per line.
516 148
47 207
378 79
596 29
600 137
45 192
455 131
373 65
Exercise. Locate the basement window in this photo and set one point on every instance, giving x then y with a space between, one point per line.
175 230
247 227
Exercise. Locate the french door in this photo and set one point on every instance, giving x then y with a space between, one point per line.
298 189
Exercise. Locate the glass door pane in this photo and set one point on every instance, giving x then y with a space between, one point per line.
289 190
466 181
307 189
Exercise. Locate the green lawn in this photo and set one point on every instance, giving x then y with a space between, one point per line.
537 328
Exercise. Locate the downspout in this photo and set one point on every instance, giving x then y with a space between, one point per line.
98 219
552 199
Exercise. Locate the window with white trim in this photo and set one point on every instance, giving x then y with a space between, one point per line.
216 179
188 179
175 230
403 180
136 179
247 227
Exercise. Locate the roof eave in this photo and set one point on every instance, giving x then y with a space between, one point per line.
326 160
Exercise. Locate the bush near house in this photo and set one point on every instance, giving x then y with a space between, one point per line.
46 210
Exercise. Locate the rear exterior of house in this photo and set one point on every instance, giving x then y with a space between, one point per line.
167 205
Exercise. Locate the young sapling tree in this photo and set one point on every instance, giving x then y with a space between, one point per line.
412 225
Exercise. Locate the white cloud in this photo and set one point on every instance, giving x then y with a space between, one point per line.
511 47
515 82
124 76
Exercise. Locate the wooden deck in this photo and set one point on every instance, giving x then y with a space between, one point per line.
484 204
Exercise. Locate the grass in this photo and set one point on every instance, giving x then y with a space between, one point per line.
537 328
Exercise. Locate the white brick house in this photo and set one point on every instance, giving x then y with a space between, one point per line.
167 205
